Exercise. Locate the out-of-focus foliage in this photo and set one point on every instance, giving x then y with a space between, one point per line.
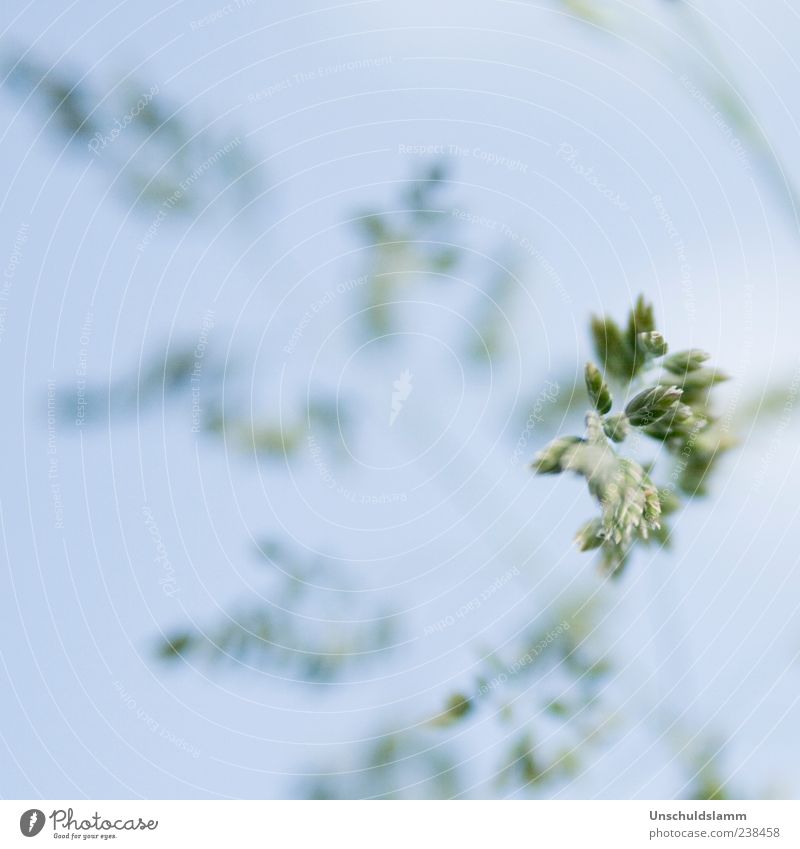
549 696
543 704
270 438
285 632
707 77
410 241
163 377
409 764
156 153
544 698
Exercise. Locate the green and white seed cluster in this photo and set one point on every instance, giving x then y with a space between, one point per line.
667 400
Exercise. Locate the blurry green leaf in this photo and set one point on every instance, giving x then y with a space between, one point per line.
458 706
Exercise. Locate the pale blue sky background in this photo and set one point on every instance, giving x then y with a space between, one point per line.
710 629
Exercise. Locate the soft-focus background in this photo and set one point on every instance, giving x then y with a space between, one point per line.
290 295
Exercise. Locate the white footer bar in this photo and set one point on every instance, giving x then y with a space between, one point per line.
401 825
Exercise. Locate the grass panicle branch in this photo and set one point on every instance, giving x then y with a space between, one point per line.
667 401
